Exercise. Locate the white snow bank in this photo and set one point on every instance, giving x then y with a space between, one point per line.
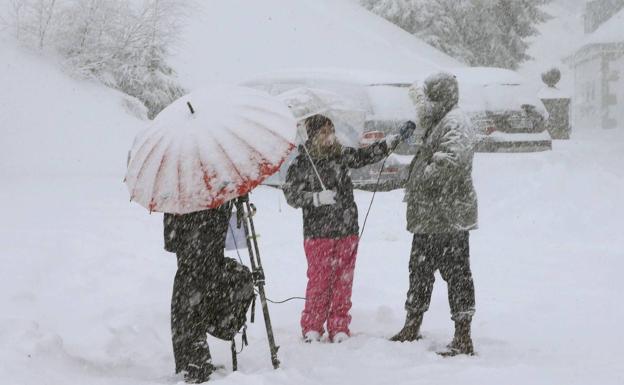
498 136
231 40
53 124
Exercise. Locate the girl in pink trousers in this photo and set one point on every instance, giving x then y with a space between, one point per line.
318 182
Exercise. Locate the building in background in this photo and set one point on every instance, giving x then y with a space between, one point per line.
599 11
598 67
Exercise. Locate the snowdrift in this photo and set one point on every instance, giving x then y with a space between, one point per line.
55 125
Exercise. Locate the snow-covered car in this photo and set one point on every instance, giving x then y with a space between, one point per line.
505 109
383 96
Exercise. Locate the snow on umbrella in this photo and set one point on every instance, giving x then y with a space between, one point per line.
209 147
347 116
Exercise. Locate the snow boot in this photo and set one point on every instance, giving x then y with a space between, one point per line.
462 343
411 329
195 374
311 337
340 337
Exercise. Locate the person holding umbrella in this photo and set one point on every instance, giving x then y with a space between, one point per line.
195 162
318 182
198 239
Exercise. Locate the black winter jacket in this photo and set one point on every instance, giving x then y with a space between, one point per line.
197 235
329 221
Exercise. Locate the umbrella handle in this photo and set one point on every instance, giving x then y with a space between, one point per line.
190 106
318 176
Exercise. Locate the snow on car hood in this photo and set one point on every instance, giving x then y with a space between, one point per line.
496 89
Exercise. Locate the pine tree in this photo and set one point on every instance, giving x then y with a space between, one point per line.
477 32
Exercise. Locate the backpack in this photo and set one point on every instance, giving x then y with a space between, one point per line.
227 299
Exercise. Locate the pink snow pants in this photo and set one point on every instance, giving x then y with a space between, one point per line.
331 263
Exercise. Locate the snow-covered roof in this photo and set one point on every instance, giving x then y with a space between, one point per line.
611 31
232 40
356 76
466 75
481 88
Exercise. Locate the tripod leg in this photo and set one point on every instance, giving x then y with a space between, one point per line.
269 328
242 206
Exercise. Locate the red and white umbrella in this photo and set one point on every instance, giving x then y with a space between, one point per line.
209 147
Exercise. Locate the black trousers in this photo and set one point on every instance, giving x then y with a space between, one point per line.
449 253
189 312
198 240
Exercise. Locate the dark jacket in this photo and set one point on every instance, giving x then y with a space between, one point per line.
329 221
196 235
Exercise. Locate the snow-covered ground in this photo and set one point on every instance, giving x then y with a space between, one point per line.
85 284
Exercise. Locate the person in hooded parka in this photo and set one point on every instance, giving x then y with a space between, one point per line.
441 210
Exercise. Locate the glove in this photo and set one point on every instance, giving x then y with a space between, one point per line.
325 197
392 141
444 158
407 129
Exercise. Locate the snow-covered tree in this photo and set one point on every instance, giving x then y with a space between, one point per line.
11 17
31 21
123 44
126 47
477 32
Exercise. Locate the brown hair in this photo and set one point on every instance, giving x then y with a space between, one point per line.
314 123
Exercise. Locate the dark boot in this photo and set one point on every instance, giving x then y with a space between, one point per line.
411 329
200 367
198 374
462 343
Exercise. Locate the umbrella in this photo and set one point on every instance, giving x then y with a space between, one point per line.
347 116
209 147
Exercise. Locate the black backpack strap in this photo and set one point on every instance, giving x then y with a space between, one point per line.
253 309
245 342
